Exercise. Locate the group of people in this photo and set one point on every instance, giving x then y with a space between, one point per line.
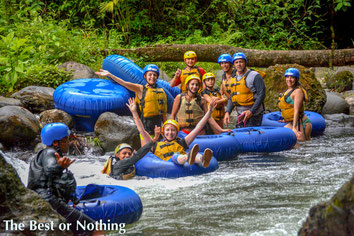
198 110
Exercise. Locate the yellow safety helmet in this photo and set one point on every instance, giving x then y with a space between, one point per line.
192 77
122 146
189 54
208 75
172 122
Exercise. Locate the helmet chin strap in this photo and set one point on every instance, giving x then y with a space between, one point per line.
167 138
194 93
152 85
210 88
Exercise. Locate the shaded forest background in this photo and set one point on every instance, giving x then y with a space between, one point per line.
36 36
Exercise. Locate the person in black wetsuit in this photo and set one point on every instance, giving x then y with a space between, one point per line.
121 165
47 177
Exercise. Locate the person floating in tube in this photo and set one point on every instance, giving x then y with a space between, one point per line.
152 100
121 166
291 105
172 148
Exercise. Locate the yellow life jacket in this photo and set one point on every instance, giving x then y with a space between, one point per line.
185 73
165 151
153 102
226 83
287 109
227 86
240 94
189 113
219 110
107 169
107 166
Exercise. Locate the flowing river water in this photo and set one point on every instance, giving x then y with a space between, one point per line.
255 194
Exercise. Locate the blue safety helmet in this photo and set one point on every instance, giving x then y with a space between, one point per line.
239 55
225 58
54 131
151 67
292 72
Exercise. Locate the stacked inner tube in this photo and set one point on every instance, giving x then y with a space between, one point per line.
109 203
130 72
87 99
318 122
153 167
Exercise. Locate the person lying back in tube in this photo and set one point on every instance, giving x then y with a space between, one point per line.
121 166
172 148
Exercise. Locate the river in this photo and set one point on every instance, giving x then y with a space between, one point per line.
256 194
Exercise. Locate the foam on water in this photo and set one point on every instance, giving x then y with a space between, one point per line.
257 194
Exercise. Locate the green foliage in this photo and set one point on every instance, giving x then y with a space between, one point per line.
342 5
47 76
339 82
39 35
15 53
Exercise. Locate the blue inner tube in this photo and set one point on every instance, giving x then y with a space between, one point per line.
224 146
152 166
87 99
318 122
265 139
130 72
109 203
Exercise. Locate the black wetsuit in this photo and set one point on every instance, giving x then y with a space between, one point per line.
44 169
126 166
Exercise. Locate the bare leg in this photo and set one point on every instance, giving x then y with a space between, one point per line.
308 130
181 159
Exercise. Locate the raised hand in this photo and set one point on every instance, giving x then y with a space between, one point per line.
103 73
132 105
157 132
212 104
64 161
178 73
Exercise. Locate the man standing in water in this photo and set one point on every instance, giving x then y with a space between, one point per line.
47 177
247 93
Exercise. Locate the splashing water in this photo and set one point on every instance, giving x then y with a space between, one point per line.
256 194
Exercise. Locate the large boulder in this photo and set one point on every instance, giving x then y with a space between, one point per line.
349 98
78 70
56 115
18 126
340 81
22 205
113 129
334 217
4 101
275 84
36 98
335 104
